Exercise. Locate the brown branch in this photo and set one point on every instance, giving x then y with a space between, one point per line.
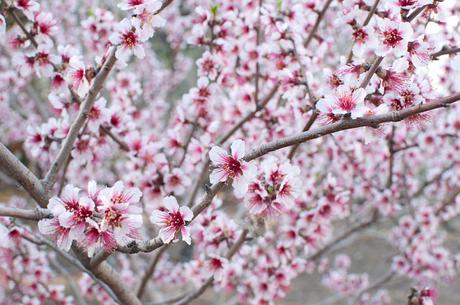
385 279
194 295
307 127
445 51
258 39
37 214
415 13
320 17
149 272
391 157
74 130
429 182
347 123
11 165
22 26
115 138
371 72
343 236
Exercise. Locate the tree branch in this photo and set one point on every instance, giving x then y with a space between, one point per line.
37 214
86 106
313 31
149 272
194 295
347 123
11 165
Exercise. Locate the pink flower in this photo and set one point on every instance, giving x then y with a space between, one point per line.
70 213
274 189
394 37
96 238
207 66
176 182
132 4
345 101
45 26
76 76
232 167
43 61
5 240
62 234
129 41
146 18
410 4
172 220
120 213
28 7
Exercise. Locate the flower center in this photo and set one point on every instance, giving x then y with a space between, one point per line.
130 39
117 199
392 37
208 65
82 213
113 217
232 167
136 2
359 35
176 220
346 103
42 58
94 113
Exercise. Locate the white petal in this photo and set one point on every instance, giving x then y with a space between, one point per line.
186 213
217 155
238 149
170 203
218 175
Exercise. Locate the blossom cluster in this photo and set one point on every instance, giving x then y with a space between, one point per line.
182 129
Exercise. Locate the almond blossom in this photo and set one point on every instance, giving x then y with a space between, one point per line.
28 7
345 101
231 166
275 188
172 220
129 39
393 37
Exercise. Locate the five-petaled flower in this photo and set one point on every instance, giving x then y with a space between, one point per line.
173 219
232 166
129 41
345 101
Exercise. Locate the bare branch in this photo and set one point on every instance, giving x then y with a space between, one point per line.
11 165
149 272
343 236
37 214
313 31
445 51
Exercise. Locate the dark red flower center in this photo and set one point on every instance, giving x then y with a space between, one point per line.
232 167
392 37
176 220
130 39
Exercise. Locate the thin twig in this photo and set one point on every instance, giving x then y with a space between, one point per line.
320 17
149 272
